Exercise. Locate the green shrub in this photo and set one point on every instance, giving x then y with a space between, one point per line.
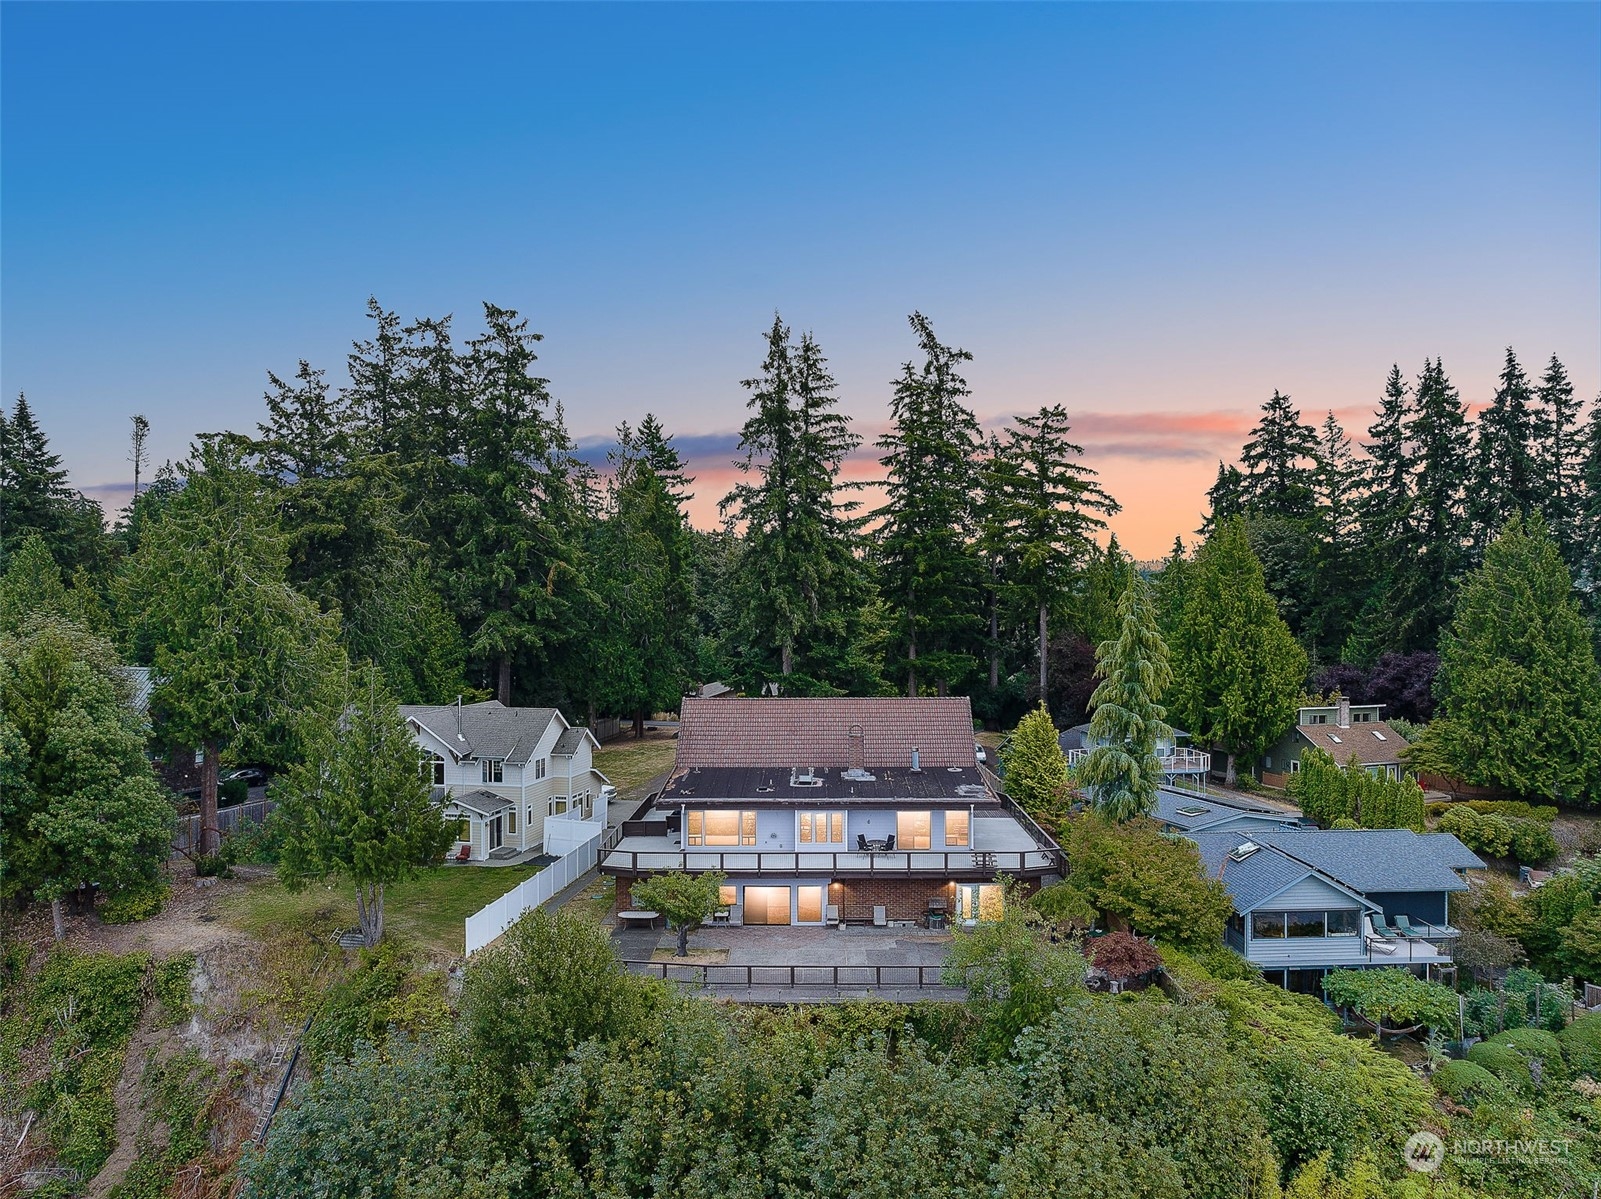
234 791
1515 808
169 983
212 865
1532 1043
1581 1045
259 844
1532 842
1464 1080
135 903
1504 1062
1345 822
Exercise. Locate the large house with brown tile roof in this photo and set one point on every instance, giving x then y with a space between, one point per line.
834 810
1344 731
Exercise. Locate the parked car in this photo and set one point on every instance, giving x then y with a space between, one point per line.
982 755
251 776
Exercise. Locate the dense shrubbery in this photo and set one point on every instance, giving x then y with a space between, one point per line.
1464 1080
1499 836
137 902
1581 1045
1331 794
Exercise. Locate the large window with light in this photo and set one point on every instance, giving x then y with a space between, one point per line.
956 828
822 828
913 829
720 828
980 901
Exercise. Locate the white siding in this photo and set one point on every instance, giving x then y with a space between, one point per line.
1308 895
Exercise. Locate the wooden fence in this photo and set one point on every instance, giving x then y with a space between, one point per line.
228 820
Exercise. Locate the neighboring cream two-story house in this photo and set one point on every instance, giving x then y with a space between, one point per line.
502 772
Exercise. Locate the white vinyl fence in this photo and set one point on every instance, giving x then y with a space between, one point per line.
484 925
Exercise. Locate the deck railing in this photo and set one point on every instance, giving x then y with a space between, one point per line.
749 977
1180 761
979 863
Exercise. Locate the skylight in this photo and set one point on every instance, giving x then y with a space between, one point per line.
1378 734
1192 810
1335 737
1244 851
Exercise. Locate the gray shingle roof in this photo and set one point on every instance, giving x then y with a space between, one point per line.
485 803
1259 877
567 744
1214 811
1365 860
487 730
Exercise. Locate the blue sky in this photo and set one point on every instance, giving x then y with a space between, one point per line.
1154 214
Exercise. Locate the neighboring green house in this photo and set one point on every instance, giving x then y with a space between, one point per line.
1342 730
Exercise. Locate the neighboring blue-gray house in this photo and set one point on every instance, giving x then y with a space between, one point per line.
1310 900
1185 812
1181 765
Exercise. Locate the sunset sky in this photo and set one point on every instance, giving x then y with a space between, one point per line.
1153 214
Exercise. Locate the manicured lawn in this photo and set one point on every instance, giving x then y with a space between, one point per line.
427 911
631 765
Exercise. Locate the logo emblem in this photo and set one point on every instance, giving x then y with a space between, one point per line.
1423 1152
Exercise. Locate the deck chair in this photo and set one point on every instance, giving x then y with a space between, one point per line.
831 916
879 918
889 843
1406 927
861 843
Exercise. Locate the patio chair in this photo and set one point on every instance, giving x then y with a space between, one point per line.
889 842
465 852
1383 930
1406 927
861 843
880 920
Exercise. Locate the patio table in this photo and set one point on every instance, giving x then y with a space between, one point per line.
639 917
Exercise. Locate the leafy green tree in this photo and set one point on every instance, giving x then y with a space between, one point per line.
82 806
686 901
1123 771
1034 768
1154 883
1014 974
1237 670
36 498
929 570
800 586
1518 677
235 648
1506 480
550 984
356 805
390 1125
1391 999
1047 509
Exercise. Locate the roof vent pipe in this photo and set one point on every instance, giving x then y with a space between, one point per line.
915 766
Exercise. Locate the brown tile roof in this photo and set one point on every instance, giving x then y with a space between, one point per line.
1359 739
817 732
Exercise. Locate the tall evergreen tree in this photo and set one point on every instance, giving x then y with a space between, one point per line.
1225 498
1518 677
515 571
1279 462
1559 459
1335 563
1237 670
1049 507
236 649
1098 607
800 584
928 569
1506 474
1436 539
356 804
138 453
1589 518
1123 772
36 500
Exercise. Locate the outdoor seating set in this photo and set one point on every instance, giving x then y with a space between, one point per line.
863 845
1386 936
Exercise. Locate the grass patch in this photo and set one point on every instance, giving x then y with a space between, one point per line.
631 765
427 911
596 900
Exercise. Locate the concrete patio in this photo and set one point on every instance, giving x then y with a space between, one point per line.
778 964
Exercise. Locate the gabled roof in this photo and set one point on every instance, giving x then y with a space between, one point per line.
484 803
781 733
1368 861
486 730
567 744
1256 878
1372 742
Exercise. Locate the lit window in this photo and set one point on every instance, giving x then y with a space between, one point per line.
822 828
913 830
956 825
721 828
493 770
727 894
464 829
980 901
511 823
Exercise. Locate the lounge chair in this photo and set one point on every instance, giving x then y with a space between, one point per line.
1406 927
